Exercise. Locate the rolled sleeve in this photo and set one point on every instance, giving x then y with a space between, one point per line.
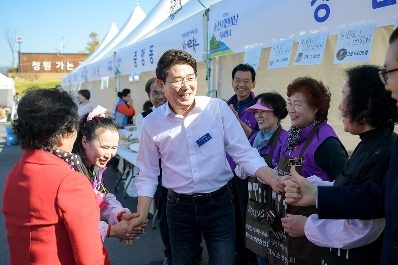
148 163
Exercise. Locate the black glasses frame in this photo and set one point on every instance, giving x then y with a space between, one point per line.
383 75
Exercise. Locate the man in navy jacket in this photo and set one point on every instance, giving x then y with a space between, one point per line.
369 201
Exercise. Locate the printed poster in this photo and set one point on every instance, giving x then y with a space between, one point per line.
310 49
252 55
280 54
354 44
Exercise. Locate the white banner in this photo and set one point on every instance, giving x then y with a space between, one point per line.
310 49
144 55
280 54
235 23
100 69
252 55
354 44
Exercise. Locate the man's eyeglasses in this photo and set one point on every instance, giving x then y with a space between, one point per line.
157 93
383 75
178 82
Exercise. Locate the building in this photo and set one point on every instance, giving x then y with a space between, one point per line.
49 62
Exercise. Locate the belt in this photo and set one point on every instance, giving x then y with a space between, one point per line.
200 197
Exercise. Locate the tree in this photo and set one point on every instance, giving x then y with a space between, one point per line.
9 36
93 44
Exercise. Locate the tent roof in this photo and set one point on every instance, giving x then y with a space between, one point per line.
137 16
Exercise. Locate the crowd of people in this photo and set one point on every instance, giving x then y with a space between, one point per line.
222 172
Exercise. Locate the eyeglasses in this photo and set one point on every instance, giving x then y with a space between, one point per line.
157 93
383 75
178 82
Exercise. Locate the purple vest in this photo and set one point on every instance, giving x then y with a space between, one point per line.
247 118
278 148
310 167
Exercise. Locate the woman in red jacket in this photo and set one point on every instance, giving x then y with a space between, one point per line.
41 192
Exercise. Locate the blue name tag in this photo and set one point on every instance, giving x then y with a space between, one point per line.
204 139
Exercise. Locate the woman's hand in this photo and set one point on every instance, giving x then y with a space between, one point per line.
130 101
129 216
294 224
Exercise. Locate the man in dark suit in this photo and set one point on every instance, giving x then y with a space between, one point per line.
369 201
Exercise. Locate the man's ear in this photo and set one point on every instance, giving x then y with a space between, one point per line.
160 84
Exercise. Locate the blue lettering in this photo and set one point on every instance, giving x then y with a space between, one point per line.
324 7
382 3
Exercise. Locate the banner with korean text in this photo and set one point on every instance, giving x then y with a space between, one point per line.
101 68
144 55
235 23
354 44
310 49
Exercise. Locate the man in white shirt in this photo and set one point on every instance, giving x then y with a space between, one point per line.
191 136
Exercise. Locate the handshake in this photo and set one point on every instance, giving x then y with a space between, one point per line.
131 225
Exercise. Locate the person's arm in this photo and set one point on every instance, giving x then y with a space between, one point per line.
126 110
342 233
246 156
147 180
81 222
138 122
248 131
355 202
364 201
114 211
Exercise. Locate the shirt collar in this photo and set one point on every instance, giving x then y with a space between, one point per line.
199 105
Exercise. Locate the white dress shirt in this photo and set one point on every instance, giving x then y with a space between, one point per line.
188 168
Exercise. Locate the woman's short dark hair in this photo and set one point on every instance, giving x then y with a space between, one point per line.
91 129
149 84
315 92
85 93
171 58
43 116
274 100
124 93
147 105
368 101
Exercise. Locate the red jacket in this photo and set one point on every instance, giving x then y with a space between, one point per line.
51 213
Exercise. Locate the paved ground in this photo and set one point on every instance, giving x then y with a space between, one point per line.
146 250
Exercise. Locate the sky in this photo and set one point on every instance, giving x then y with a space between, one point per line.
44 24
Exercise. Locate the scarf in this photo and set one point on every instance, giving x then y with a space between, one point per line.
293 136
262 138
73 160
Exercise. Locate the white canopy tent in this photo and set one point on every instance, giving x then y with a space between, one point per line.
77 76
237 23
7 92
